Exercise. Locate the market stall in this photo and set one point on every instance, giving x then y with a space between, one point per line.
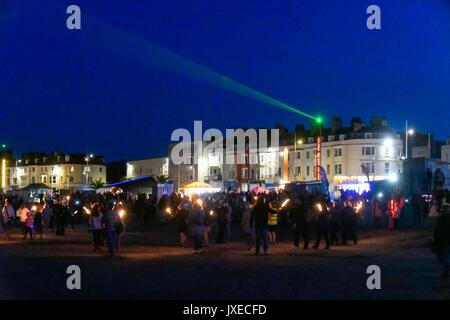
197 187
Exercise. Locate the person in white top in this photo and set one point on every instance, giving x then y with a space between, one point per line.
95 223
6 218
22 213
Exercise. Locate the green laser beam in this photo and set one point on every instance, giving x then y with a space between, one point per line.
142 50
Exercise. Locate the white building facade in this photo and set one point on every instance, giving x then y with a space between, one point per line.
57 171
148 167
342 158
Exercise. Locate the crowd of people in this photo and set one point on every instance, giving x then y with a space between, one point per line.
256 216
104 216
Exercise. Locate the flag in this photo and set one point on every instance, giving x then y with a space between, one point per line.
323 176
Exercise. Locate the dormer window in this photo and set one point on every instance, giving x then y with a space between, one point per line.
330 138
310 140
67 158
342 137
36 160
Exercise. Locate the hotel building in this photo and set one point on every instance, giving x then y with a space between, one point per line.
57 170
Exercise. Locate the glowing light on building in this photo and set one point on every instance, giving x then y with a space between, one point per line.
388 142
357 187
3 174
318 157
393 177
286 164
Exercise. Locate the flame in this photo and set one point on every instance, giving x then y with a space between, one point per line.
285 203
319 206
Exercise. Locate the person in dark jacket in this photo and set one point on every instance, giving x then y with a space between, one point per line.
441 241
60 214
336 222
37 221
222 222
260 218
322 213
349 220
181 221
197 221
299 214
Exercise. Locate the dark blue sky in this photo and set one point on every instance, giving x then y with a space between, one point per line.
69 90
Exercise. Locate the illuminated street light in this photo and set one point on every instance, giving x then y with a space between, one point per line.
408 132
90 156
3 174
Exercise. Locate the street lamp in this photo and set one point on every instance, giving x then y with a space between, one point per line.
17 172
408 132
3 182
193 172
319 121
87 166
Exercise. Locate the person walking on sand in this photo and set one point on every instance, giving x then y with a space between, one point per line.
110 221
246 225
28 225
95 223
260 218
6 218
22 213
37 221
197 221
181 221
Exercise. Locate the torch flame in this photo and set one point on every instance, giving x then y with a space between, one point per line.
319 206
285 203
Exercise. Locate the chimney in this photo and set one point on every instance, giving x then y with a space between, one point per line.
336 124
378 123
356 123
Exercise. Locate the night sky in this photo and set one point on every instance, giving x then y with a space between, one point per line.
89 91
